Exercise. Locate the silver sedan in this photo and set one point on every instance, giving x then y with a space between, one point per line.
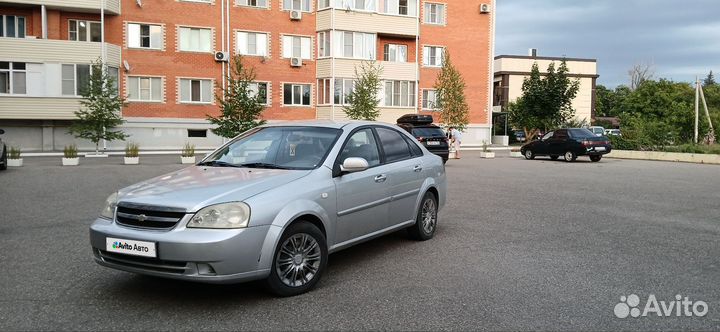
272 204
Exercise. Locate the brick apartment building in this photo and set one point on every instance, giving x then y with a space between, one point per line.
163 52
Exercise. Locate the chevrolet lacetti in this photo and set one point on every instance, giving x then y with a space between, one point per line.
272 204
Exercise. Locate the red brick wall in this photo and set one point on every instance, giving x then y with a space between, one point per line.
384 40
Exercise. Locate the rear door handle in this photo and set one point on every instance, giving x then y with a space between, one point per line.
417 168
380 178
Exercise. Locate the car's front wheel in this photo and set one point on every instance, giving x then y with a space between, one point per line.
529 155
595 158
426 219
299 261
569 156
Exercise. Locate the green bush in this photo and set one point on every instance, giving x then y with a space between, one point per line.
70 151
694 148
188 150
14 153
132 150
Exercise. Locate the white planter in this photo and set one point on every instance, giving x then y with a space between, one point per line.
187 160
516 154
487 155
15 162
132 160
452 154
70 161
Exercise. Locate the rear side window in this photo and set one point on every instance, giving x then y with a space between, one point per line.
414 148
393 144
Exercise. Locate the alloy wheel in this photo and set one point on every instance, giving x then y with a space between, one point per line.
429 216
299 260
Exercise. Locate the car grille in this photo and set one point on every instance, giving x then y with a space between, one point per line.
148 217
144 263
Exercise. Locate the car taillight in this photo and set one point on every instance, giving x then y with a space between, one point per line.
586 143
420 139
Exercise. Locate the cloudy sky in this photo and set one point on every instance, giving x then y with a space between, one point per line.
681 38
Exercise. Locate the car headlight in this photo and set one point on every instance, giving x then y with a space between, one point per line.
110 203
226 215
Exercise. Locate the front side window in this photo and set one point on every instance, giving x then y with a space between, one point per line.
81 30
145 36
394 145
302 5
252 43
148 89
548 136
434 13
297 47
12 26
429 100
253 3
195 39
277 147
400 93
296 94
395 53
433 56
343 88
13 78
361 144
196 91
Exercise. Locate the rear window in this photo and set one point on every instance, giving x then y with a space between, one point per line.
428 132
581 133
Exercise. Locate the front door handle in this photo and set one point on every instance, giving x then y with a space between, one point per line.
380 178
417 168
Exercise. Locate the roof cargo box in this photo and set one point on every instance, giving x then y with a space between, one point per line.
416 119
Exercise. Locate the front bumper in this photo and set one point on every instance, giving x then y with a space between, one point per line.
204 255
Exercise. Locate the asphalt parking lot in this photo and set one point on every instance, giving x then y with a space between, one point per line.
521 245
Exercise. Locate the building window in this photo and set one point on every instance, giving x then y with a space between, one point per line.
145 89
324 91
343 88
12 26
80 30
13 78
303 5
324 44
297 47
400 93
261 90
199 133
145 36
195 40
435 13
355 45
364 5
400 7
196 91
296 94
429 100
322 4
75 79
252 43
395 53
433 56
253 3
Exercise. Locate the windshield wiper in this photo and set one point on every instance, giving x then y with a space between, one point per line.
217 163
263 165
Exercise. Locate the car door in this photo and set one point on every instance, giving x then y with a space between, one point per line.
541 147
557 145
363 197
403 169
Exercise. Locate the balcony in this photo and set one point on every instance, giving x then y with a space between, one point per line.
52 50
38 108
404 71
112 7
395 25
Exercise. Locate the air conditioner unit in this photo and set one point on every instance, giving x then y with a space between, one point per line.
222 56
295 15
484 8
296 62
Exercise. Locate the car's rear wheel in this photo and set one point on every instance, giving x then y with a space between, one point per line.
426 219
595 158
554 157
569 156
299 261
529 155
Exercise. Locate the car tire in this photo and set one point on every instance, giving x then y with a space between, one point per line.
529 155
569 156
426 219
445 161
554 157
291 265
595 158
4 160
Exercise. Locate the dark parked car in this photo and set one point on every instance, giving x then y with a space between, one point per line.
569 143
3 153
431 136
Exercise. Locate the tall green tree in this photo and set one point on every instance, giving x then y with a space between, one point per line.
101 104
240 104
546 102
709 80
363 101
450 96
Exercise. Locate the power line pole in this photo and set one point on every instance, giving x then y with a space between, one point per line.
697 107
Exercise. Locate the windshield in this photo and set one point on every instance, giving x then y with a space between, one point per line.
428 132
581 133
277 147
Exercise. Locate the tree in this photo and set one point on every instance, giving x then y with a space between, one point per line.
240 104
639 74
450 96
709 80
609 102
546 102
100 112
363 100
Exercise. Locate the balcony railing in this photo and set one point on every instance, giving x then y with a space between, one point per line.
112 7
53 50
397 25
404 71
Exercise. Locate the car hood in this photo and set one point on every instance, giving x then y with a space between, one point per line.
196 187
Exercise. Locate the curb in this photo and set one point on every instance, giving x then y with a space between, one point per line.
693 158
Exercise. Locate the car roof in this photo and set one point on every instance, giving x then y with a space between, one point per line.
326 124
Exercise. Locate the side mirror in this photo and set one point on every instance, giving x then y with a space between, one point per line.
353 165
